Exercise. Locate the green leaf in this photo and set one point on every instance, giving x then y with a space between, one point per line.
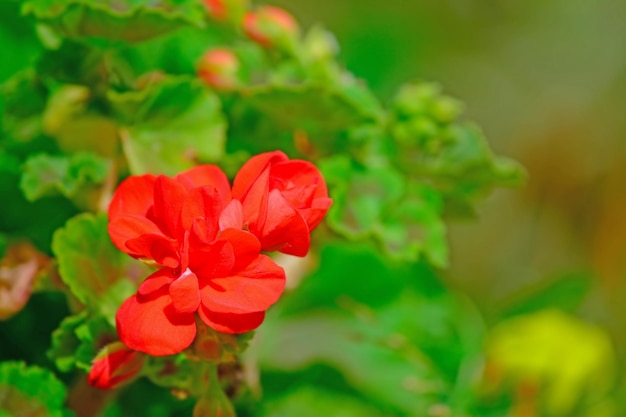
102 22
31 391
416 347
78 339
65 342
453 157
375 201
319 110
90 265
414 227
74 177
170 126
360 195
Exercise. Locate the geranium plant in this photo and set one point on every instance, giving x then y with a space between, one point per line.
204 213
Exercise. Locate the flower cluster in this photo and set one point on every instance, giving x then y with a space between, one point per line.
207 239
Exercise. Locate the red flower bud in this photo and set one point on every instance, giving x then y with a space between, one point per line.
219 68
115 364
269 25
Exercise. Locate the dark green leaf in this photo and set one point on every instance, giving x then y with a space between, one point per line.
319 110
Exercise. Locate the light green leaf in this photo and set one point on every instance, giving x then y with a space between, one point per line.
434 147
65 342
171 126
78 339
102 22
416 347
90 265
414 227
360 195
31 391
76 176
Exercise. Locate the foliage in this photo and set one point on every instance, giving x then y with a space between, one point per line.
98 91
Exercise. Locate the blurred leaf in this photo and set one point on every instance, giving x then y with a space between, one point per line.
91 266
320 110
435 148
170 126
22 101
566 292
414 227
102 22
314 402
376 201
18 40
74 177
31 391
361 195
416 348
35 221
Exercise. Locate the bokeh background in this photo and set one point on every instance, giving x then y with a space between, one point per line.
546 80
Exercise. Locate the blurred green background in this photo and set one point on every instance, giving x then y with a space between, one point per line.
546 80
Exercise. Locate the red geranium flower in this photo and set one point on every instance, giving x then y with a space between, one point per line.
215 272
279 200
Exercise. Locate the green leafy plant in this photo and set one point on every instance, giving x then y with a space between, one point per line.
100 91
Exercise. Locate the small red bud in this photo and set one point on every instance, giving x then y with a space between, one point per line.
115 365
219 68
268 24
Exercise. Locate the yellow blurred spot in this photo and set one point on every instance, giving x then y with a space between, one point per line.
567 359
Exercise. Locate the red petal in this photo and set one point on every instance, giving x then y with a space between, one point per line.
255 202
125 227
231 323
232 216
202 202
169 196
184 292
150 324
156 281
159 248
133 196
246 246
251 170
203 175
315 214
300 179
213 260
285 229
254 288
